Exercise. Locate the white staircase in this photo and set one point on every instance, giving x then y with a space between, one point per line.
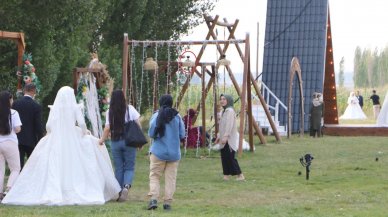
259 113
262 120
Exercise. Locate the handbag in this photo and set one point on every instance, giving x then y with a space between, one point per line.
134 136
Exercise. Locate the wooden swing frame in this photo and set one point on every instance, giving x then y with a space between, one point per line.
244 92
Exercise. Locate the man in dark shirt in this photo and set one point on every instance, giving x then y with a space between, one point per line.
31 116
360 99
376 104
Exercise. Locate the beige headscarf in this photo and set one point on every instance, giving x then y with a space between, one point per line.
317 99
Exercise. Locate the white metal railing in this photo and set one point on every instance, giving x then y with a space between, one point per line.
267 94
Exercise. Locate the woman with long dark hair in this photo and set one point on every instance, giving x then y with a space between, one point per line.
167 129
10 124
123 156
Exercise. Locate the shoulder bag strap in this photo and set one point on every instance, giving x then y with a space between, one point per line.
129 117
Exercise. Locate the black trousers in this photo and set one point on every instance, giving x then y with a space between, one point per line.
229 162
24 151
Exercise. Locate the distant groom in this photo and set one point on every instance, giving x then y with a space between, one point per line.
30 113
360 99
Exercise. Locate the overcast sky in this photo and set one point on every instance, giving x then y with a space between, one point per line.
355 23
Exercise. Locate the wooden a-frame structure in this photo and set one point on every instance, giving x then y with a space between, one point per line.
77 73
19 38
244 92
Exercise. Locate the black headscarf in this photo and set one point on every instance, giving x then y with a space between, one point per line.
165 115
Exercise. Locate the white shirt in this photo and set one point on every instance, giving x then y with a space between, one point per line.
15 118
133 115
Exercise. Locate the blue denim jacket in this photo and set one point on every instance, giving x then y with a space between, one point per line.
167 148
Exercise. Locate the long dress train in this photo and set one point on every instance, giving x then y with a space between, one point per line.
353 110
382 119
67 167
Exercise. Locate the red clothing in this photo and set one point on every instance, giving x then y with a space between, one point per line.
193 134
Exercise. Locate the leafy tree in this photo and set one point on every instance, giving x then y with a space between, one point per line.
61 34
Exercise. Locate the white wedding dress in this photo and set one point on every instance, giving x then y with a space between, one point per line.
382 119
353 110
67 166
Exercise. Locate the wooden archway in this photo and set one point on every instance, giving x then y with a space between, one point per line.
77 73
19 38
295 69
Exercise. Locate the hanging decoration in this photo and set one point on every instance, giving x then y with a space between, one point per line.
28 75
95 102
186 66
150 64
223 61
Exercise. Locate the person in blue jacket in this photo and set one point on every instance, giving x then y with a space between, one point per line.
166 129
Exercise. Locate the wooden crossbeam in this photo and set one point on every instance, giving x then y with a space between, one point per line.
76 74
235 83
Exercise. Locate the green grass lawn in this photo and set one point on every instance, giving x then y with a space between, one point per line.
345 180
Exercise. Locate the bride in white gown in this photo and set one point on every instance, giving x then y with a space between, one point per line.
353 110
67 167
382 119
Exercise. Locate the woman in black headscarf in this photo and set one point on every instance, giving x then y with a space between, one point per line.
227 137
166 129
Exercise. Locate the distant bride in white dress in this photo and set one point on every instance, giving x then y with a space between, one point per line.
67 167
382 119
353 110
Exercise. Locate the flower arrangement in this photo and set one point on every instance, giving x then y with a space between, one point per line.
82 88
27 73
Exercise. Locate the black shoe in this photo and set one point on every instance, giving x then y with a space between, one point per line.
167 207
153 204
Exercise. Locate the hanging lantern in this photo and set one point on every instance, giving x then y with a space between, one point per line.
188 62
150 64
223 61
181 76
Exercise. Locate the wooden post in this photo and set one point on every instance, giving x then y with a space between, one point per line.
243 99
20 61
215 95
125 63
203 106
249 99
257 52
75 80
131 96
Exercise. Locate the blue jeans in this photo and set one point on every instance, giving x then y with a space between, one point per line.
124 158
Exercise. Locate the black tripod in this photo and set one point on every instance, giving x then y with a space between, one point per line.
306 163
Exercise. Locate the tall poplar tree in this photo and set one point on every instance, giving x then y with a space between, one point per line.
341 76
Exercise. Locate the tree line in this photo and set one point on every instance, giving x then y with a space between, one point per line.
370 67
62 34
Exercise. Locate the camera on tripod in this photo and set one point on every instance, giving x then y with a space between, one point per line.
306 162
